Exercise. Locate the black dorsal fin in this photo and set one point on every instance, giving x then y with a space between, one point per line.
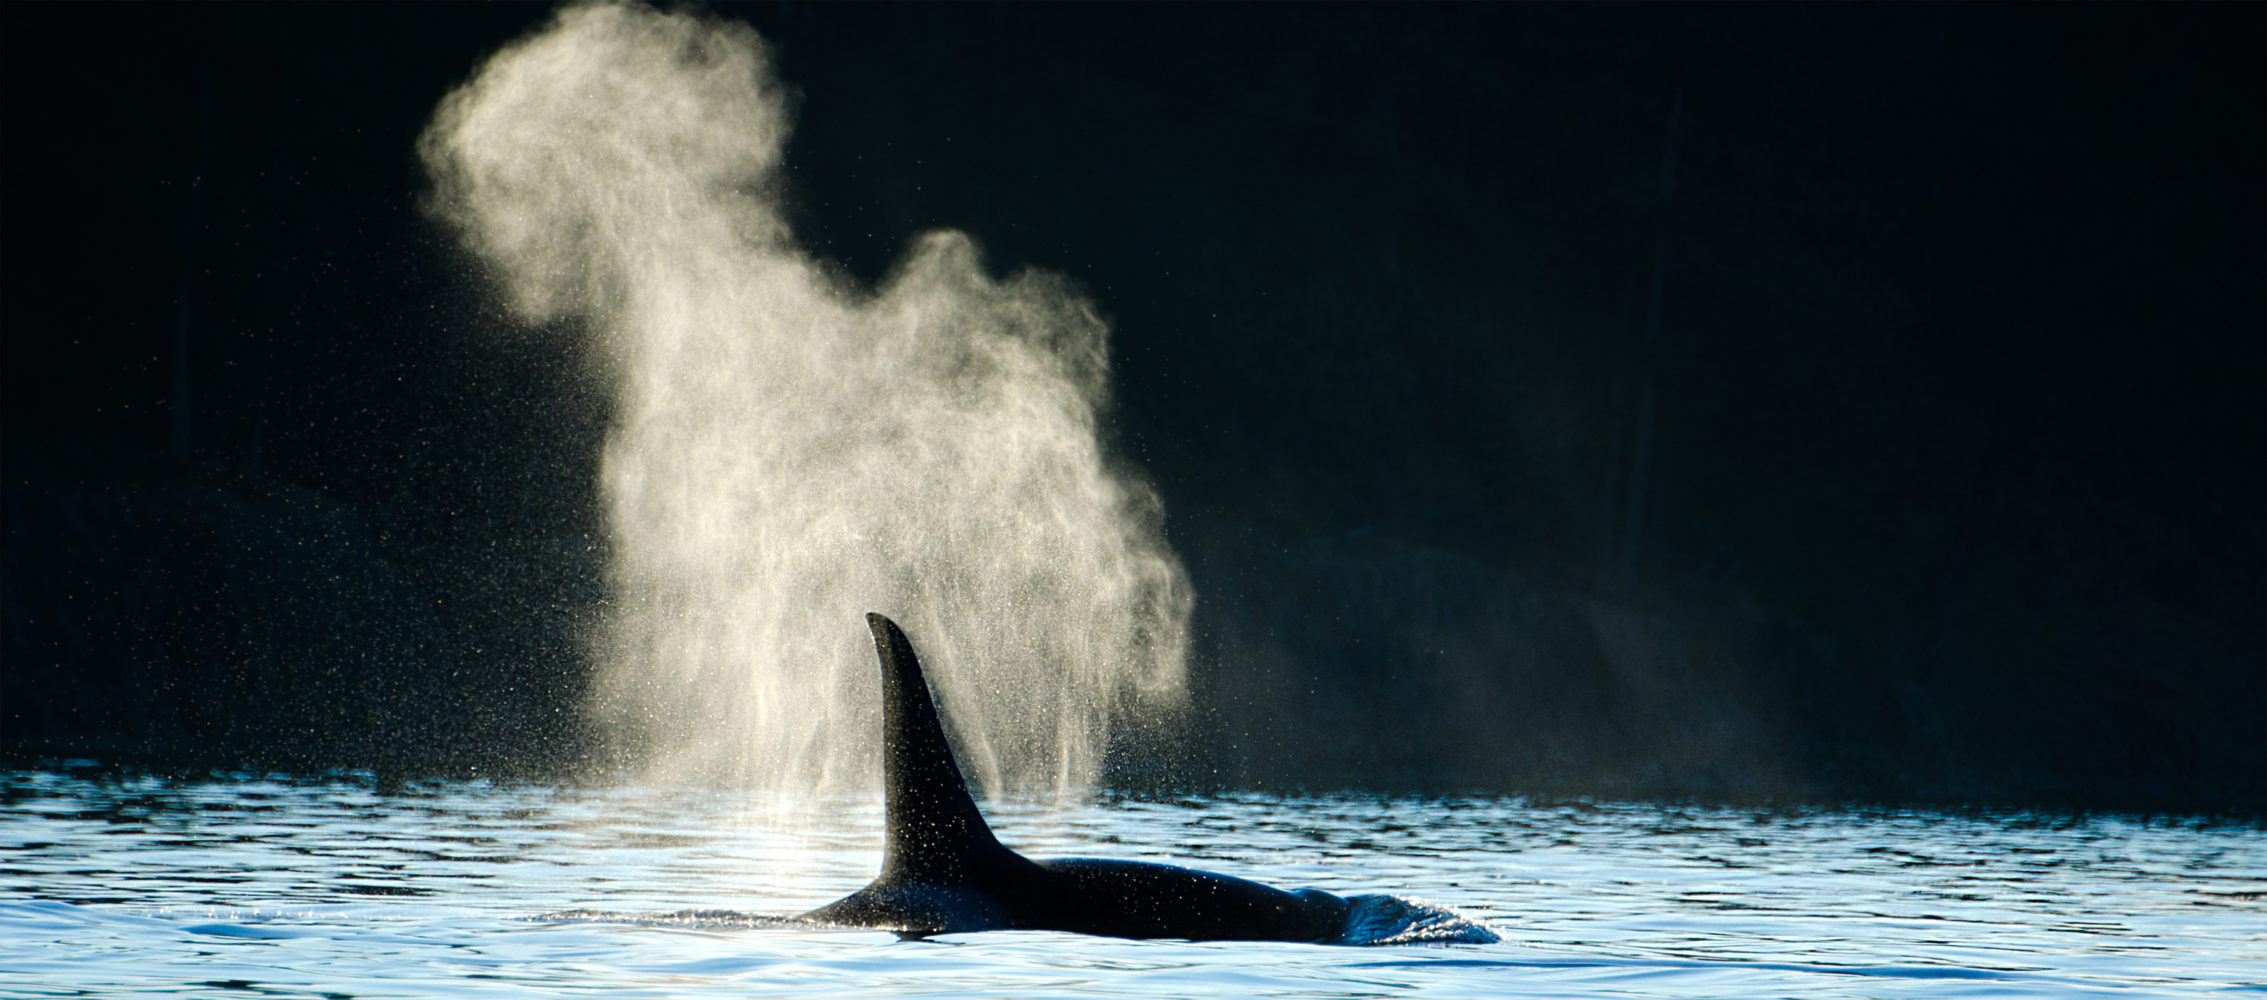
935 833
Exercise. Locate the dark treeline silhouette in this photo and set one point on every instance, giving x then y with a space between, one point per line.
1754 401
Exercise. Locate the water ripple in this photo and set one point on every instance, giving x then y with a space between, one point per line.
287 887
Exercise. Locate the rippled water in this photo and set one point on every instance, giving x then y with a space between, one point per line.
243 886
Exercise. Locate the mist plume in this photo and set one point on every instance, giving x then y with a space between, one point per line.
787 451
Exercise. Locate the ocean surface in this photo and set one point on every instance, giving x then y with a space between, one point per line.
250 886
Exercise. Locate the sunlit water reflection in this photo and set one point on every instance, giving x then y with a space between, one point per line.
246 886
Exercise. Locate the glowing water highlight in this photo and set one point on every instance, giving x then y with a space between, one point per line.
787 452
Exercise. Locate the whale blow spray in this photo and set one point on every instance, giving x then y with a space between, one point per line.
787 452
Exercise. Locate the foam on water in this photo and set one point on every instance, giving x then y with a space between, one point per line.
1383 919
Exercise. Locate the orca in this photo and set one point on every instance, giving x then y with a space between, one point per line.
943 872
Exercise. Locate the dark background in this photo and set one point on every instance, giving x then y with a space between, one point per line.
1780 401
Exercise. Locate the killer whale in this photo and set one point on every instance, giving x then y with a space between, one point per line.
943 871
